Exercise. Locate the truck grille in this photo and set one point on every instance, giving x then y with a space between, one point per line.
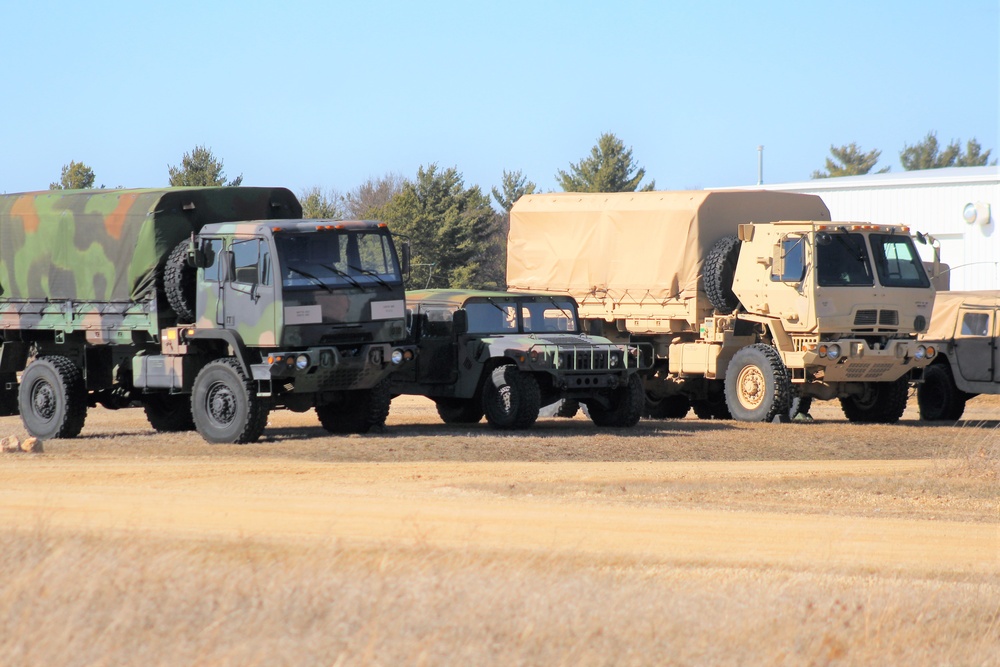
866 318
871 317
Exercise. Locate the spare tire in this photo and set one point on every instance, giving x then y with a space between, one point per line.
718 270
178 283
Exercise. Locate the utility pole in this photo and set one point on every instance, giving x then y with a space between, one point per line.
760 165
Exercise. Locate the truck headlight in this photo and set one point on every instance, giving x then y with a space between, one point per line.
302 362
613 360
397 357
920 353
829 351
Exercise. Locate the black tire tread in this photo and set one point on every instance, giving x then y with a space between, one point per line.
938 398
769 361
526 392
886 407
718 272
627 404
70 377
179 283
359 412
257 409
168 413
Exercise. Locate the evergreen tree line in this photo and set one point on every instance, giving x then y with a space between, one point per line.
457 237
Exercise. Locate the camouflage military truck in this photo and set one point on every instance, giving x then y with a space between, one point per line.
506 355
965 329
209 306
755 302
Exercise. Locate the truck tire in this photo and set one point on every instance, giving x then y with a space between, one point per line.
713 406
627 403
758 387
459 410
718 270
52 398
667 407
359 412
937 396
225 404
511 399
179 283
882 403
168 413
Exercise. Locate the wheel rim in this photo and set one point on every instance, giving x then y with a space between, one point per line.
43 400
751 387
220 404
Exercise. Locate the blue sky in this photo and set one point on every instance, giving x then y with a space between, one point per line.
329 94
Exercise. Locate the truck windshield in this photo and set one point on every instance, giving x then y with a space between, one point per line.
897 261
842 260
336 258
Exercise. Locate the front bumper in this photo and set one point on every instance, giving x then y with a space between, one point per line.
853 360
332 368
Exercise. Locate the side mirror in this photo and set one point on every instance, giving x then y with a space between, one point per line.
405 259
460 322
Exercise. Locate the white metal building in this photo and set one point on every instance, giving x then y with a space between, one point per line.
957 205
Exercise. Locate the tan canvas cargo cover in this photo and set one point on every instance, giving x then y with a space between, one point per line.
944 318
636 246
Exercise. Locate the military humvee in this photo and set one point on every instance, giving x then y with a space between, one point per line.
753 301
506 355
209 306
965 329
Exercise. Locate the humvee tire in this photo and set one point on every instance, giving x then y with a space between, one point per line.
225 405
627 403
511 399
882 403
719 270
179 283
937 396
667 407
359 412
459 410
758 386
53 398
168 413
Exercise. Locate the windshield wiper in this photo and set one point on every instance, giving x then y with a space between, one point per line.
569 316
310 277
342 274
366 272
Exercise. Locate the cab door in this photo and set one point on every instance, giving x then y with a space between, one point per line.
437 357
249 304
975 344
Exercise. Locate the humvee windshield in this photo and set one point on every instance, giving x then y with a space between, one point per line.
505 316
335 259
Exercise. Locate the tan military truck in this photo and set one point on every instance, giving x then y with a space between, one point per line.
965 330
753 301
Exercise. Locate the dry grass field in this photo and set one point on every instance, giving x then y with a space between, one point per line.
675 543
